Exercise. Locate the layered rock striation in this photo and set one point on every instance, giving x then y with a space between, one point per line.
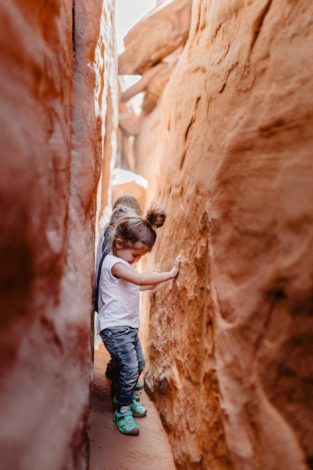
51 145
230 143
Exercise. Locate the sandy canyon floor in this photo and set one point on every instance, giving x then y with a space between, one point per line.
111 450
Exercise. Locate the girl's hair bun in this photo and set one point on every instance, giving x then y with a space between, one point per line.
156 216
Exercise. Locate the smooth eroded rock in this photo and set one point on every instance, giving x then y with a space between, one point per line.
51 145
231 339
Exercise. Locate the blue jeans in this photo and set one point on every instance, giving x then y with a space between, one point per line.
123 344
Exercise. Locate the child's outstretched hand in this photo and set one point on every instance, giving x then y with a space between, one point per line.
176 267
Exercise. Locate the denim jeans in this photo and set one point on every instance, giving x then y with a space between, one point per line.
123 344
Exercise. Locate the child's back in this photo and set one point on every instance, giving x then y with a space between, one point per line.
118 299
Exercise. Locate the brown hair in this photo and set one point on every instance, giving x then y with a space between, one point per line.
129 201
120 212
137 229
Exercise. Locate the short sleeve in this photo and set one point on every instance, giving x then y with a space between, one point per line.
111 261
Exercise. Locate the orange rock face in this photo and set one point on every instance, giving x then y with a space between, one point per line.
51 145
231 339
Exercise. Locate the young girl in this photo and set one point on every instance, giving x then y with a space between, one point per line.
120 287
123 205
118 213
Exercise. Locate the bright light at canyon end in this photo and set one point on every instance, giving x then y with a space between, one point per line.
127 14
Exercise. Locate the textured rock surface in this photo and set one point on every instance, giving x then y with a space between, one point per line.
231 340
146 151
51 145
152 82
106 103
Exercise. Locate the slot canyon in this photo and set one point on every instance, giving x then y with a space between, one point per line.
224 141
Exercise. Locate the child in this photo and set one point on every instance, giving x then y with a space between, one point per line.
122 205
118 213
119 308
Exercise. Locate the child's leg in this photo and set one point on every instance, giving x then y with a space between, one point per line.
112 373
111 369
121 344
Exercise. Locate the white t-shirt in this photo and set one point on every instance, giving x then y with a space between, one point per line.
118 299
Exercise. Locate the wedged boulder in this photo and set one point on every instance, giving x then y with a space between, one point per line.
156 36
152 85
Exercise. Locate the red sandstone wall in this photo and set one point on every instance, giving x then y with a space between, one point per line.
51 146
231 340
106 95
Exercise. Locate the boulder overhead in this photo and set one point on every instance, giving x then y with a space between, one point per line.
156 36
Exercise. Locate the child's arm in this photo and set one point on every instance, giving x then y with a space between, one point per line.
144 279
152 286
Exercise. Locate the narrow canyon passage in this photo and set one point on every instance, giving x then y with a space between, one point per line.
207 111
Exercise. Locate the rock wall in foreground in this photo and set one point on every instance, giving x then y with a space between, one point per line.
231 340
51 148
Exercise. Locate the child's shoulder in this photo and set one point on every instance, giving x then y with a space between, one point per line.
111 259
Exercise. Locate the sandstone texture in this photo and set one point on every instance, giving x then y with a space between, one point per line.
106 102
51 149
230 143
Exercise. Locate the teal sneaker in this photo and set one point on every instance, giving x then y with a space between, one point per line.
125 423
138 410
139 386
